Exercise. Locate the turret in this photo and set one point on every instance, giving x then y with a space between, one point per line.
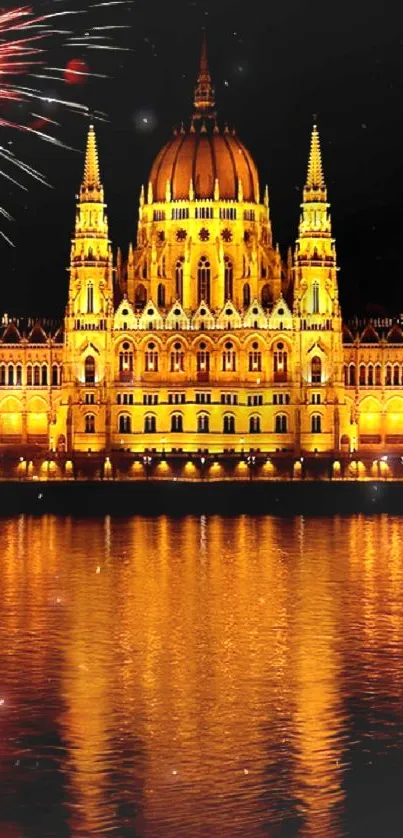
91 258
315 291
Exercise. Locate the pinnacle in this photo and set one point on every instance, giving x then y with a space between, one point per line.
315 179
204 92
91 167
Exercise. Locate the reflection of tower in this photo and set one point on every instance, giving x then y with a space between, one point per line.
317 688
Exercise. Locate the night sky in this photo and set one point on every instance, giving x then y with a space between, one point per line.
274 65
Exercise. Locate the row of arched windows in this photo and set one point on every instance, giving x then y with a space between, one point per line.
203 423
229 360
373 375
203 285
36 375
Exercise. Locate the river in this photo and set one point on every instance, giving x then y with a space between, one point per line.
201 676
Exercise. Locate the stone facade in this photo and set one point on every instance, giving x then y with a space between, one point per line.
203 339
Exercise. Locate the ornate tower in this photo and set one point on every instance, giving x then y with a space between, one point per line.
315 286
317 312
89 313
90 291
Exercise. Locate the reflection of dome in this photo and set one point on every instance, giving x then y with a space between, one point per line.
203 155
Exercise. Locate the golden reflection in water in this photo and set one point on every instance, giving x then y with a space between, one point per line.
199 671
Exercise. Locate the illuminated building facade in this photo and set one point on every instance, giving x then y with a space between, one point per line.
203 339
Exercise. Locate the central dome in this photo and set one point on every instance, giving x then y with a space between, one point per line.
202 157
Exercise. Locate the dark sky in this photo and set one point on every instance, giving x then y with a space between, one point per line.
274 64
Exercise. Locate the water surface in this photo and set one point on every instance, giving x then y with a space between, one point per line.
195 677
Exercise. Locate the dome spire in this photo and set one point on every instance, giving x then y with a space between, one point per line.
204 100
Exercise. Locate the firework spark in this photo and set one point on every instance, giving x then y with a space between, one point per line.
26 42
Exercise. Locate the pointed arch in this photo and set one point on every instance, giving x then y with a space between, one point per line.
265 295
203 280
89 369
179 278
228 279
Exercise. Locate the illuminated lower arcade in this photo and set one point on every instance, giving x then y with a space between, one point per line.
202 348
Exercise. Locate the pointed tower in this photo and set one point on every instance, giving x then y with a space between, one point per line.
315 271
204 100
315 291
89 313
91 259
317 310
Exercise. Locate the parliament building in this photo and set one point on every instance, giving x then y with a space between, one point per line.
203 341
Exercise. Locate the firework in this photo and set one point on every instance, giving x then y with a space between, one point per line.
28 39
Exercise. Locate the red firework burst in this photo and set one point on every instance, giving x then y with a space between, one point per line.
24 42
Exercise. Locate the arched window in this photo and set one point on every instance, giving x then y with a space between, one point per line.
89 423
37 375
265 295
255 358
3 375
396 375
203 280
89 369
229 357
228 279
150 424
280 359
10 375
362 375
44 375
388 375
55 375
316 370
140 296
316 423
18 379
254 424
378 375
229 424
351 377
144 272
126 361
29 375
179 278
315 298
246 295
176 423
203 423
202 361
161 295
280 424
151 358
370 375
125 424
90 298
177 358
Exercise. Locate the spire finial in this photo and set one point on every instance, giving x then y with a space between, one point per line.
315 179
204 92
92 178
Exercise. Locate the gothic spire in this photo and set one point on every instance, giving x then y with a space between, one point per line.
315 187
204 100
91 180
